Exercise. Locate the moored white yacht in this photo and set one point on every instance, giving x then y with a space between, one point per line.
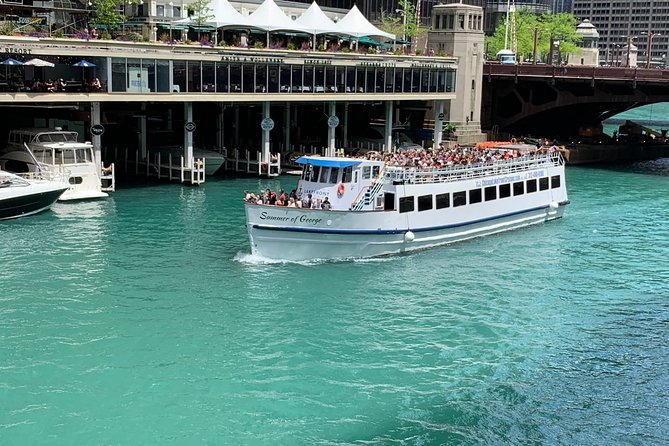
57 151
21 196
379 209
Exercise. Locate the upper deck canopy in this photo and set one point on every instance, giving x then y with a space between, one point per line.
327 162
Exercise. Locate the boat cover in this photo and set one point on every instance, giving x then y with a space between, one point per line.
327 162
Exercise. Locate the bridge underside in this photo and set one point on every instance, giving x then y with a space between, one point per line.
558 108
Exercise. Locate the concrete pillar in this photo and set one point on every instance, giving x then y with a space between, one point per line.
344 130
388 133
265 136
438 123
236 136
331 130
142 131
220 128
97 139
286 128
188 136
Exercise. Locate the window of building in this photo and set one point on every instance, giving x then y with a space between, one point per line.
424 203
443 200
160 11
406 204
518 188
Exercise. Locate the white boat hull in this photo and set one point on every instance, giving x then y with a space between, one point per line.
430 209
328 242
27 197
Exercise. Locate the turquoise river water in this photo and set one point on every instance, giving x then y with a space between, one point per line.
143 320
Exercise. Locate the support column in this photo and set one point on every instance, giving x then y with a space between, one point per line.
97 139
344 130
188 136
236 138
388 134
220 128
438 123
265 137
286 128
331 130
142 131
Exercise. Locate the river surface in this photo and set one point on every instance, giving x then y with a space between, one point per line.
143 320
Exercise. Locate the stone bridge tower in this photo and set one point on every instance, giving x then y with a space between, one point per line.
457 30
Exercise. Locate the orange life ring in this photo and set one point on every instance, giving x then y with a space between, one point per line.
341 189
513 140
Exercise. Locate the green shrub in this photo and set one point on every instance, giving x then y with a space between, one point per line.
259 44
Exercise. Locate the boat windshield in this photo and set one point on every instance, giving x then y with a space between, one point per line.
57 137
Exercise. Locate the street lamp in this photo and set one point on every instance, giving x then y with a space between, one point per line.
649 46
404 23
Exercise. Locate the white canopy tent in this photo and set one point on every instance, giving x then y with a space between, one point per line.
356 25
316 22
269 17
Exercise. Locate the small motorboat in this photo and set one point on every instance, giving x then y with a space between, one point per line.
21 196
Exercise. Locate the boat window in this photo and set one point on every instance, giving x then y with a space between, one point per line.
443 200
76 180
518 188
323 178
474 196
346 175
459 198
315 173
355 176
68 157
555 181
375 171
366 172
43 155
388 201
543 183
504 190
531 185
334 174
58 157
490 193
424 203
406 204
83 155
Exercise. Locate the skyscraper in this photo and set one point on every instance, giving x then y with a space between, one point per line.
642 23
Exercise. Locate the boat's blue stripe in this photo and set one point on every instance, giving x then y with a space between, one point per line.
392 231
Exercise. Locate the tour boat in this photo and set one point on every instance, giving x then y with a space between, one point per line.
57 151
379 209
26 196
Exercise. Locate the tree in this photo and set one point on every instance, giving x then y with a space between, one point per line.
403 23
107 13
561 27
202 13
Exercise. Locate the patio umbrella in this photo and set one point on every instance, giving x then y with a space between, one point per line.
39 63
83 64
7 63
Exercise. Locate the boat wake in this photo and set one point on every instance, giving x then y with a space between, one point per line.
253 259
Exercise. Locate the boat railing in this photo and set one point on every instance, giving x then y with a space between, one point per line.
50 174
368 195
414 175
